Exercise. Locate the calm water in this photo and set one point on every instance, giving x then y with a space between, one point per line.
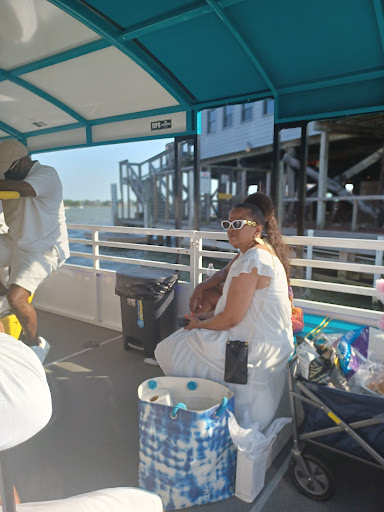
89 215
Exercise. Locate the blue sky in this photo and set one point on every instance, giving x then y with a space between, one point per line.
87 173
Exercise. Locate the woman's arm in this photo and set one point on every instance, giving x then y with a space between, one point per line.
240 294
218 277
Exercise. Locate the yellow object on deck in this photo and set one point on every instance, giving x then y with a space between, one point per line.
11 324
9 194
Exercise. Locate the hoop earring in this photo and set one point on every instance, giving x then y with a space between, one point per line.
259 241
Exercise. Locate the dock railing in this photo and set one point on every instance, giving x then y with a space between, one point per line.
97 255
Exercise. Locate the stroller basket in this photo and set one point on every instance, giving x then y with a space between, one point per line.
362 413
345 422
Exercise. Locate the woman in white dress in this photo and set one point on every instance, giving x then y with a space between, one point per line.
254 306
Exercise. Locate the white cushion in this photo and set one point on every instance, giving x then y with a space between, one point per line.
25 399
120 499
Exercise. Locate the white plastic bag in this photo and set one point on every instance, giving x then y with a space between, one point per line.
306 353
253 450
376 345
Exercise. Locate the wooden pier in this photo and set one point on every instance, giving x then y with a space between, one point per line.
160 192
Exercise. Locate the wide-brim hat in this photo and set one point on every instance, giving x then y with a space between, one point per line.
10 151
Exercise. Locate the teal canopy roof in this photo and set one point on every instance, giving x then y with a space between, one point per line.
80 73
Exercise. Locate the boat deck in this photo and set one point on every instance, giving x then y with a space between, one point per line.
91 441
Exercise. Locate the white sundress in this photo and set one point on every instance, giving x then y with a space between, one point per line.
201 352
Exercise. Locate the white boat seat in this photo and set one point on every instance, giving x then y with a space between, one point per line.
119 499
25 398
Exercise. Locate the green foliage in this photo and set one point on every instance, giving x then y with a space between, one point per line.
86 202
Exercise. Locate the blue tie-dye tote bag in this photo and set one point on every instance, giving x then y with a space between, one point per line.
186 452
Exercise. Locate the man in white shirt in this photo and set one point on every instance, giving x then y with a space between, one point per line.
37 241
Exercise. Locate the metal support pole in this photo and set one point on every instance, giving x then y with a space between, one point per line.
177 193
308 270
122 189
276 171
241 183
129 209
323 177
177 198
167 194
191 198
280 210
302 182
156 194
115 213
147 203
196 183
355 211
268 184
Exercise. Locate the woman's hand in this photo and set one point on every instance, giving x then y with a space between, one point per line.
194 323
196 298
204 316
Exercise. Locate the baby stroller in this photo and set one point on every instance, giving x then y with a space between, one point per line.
348 423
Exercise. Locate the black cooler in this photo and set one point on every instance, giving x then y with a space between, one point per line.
148 307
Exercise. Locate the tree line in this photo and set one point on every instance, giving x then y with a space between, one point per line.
86 202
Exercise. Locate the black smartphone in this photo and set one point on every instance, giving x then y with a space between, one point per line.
182 321
236 362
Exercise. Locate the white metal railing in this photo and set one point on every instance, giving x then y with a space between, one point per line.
195 245
193 248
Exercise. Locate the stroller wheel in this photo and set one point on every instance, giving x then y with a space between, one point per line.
316 483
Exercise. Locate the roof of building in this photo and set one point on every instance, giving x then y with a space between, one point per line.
80 73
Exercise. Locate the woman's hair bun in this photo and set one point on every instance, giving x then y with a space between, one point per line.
263 202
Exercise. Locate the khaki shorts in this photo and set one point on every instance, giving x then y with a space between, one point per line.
27 269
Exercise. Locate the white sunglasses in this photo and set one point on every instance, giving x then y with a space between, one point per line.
237 224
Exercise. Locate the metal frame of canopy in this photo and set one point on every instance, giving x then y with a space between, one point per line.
240 32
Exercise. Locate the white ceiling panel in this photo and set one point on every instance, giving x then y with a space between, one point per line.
102 84
139 128
33 29
20 109
66 138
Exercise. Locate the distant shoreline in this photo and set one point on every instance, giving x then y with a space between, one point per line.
89 214
68 203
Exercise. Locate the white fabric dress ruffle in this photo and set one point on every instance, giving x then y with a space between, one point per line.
25 399
201 352
119 499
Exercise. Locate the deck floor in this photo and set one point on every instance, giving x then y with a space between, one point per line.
91 441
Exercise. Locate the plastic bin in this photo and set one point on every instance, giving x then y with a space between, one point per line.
148 307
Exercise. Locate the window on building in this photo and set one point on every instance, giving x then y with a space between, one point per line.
212 114
246 112
268 106
228 116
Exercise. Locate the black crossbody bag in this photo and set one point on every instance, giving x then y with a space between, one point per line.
236 357
236 362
